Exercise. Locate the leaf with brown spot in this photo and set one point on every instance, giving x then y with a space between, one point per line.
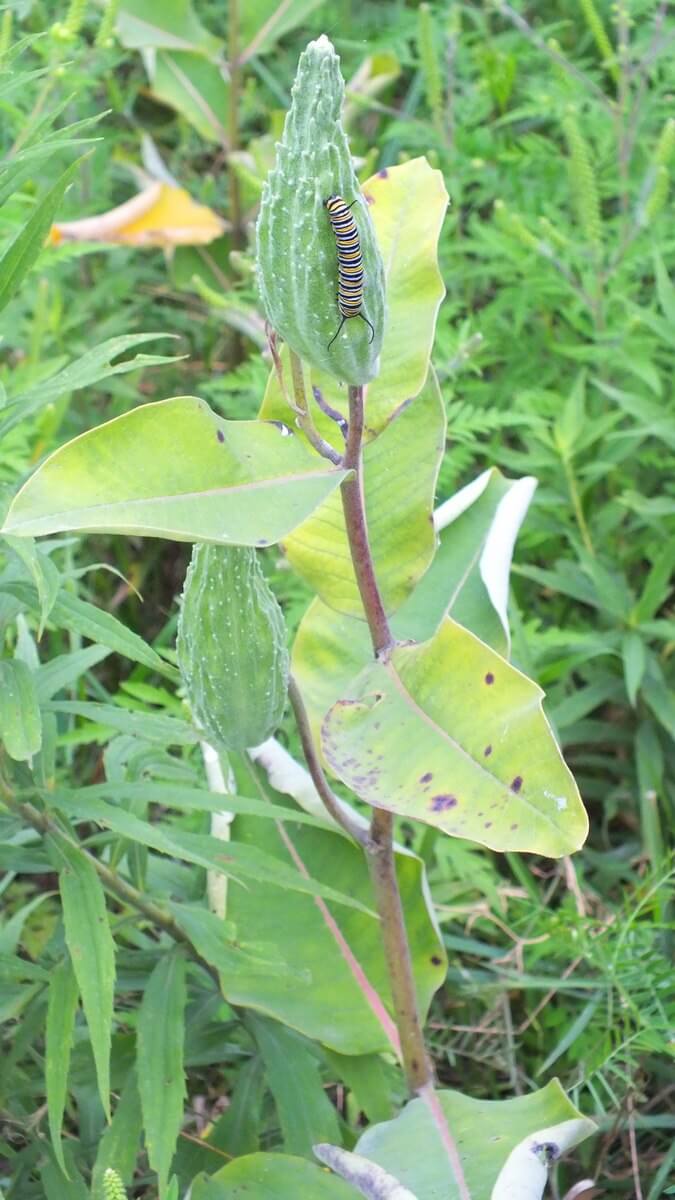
435 715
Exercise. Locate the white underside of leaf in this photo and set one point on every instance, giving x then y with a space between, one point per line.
495 561
453 507
371 1180
524 1174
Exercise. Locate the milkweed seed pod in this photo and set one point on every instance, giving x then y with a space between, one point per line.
296 250
113 1188
231 647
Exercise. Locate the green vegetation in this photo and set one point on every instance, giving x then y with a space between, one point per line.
180 1005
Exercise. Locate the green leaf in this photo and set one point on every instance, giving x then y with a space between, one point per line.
91 368
264 22
234 482
237 1130
449 733
657 584
337 948
665 289
44 574
376 1085
61 1009
468 579
195 87
119 1145
230 858
92 953
159 1059
23 251
143 25
214 940
634 655
65 669
500 1143
83 801
400 467
71 612
149 726
305 1113
274 1176
56 1186
20 721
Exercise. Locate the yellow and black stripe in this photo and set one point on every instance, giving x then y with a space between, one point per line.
350 263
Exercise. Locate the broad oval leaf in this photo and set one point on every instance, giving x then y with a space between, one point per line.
274 1176
449 733
468 580
195 86
400 467
174 469
145 25
92 952
486 1132
338 947
161 1080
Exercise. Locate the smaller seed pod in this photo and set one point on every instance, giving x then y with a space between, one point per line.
296 244
232 647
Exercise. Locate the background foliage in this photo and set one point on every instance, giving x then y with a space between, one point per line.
552 126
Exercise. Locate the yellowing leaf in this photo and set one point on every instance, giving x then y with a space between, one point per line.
161 215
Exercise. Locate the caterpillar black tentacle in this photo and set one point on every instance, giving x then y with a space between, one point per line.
350 263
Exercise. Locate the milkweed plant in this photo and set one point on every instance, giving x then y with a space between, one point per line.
399 682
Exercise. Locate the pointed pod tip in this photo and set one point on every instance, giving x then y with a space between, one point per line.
322 45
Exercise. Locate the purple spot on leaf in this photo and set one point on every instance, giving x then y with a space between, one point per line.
368 199
516 784
487 751
383 174
426 778
442 802
220 435
489 678
487 825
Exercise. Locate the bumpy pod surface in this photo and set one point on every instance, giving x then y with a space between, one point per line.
297 256
231 647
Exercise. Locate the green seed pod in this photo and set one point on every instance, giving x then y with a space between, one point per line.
113 1188
232 647
297 254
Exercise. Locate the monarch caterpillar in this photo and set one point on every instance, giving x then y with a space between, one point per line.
350 263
